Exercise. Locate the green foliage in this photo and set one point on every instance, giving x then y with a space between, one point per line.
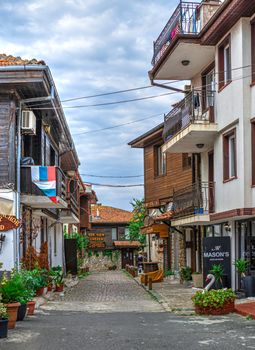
3 312
13 290
249 318
217 270
57 275
169 273
137 221
82 241
40 278
213 299
186 273
241 266
108 252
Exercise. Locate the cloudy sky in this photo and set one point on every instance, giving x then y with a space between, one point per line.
93 47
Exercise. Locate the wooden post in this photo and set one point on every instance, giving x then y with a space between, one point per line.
150 283
146 280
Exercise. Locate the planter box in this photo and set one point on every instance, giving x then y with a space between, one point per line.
22 310
30 308
40 292
12 310
59 288
3 328
198 280
226 309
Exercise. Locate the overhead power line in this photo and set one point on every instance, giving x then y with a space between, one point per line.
113 177
108 185
119 125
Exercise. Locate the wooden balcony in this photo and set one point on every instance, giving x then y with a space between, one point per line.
32 196
190 126
71 214
193 204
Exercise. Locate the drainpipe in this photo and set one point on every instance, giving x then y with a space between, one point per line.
16 238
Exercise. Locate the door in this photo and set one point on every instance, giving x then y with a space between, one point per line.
127 256
211 181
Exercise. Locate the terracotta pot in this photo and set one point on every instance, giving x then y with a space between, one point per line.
12 310
226 309
3 328
30 308
22 311
59 288
40 292
49 288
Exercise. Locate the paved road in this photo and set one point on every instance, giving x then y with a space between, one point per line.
106 320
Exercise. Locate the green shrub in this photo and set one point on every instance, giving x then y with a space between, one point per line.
169 273
213 299
3 312
186 273
241 266
217 270
13 290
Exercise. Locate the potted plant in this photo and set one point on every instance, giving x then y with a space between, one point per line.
30 283
185 275
3 321
248 282
170 274
197 278
214 302
58 278
40 281
218 271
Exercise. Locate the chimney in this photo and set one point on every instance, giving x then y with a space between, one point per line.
207 9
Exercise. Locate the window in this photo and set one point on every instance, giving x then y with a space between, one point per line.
127 235
253 50
224 63
229 155
114 233
186 161
160 161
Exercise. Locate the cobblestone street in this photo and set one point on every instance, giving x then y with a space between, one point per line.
111 311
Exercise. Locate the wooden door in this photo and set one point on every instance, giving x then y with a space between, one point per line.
127 256
211 181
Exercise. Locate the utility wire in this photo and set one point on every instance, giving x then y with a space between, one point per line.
119 125
112 177
108 185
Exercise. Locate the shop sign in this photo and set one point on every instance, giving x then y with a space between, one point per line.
9 222
96 240
217 251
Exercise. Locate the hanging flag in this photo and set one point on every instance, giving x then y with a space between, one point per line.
44 177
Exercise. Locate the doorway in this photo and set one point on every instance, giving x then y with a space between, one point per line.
127 257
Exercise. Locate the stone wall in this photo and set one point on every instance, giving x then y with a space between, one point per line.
98 261
178 254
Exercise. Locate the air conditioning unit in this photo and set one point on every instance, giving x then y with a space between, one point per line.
28 125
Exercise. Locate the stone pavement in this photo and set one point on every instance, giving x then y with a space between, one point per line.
105 292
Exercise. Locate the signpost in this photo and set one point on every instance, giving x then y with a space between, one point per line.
9 222
217 251
96 240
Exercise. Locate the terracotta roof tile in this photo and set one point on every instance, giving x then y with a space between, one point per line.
127 244
165 216
105 214
9 60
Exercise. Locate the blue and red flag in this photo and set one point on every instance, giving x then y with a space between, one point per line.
44 177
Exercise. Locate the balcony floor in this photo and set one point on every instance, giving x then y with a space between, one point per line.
187 139
198 219
43 202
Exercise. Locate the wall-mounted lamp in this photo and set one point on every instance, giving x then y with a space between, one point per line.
2 239
200 145
185 62
227 227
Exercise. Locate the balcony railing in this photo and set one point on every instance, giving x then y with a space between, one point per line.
28 187
197 199
196 107
183 21
73 203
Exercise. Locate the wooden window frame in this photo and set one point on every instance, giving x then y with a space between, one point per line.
203 79
186 161
253 152
156 160
221 63
226 156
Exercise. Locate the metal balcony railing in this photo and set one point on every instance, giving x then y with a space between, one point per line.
28 187
195 199
184 20
197 106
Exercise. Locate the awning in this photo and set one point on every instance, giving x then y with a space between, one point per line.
160 229
127 244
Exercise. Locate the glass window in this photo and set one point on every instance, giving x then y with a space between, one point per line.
217 230
127 236
232 156
227 67
114 233
161 161
209 231
229 155
210 87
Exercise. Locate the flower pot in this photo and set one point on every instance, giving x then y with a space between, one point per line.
3 328
59 288
225 309
49 288
197 280
30 308
40 292
22 310
12 310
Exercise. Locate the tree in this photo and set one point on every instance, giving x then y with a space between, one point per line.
137 221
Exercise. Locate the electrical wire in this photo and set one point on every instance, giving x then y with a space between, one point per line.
119 125
112 177
109 185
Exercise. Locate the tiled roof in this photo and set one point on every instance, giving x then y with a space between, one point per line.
127 244
105 214
165 216
9 60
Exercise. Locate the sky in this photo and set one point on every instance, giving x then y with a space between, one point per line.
94 47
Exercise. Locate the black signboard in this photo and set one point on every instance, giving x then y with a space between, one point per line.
217 251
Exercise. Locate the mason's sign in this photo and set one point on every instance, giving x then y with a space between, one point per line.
96 240
9 222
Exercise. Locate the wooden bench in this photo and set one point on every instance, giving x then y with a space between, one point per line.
156 276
